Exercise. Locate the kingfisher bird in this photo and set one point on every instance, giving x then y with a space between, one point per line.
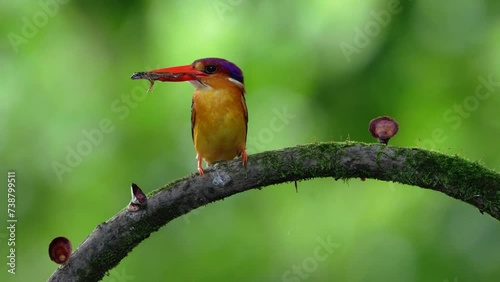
219 115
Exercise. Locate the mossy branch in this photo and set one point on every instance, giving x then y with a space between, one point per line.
456 177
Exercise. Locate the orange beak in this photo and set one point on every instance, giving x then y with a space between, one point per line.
181 73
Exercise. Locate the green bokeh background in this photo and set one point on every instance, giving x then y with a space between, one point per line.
420 65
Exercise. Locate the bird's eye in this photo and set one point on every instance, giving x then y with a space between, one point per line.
210 69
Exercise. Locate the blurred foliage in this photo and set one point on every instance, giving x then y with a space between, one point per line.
330 65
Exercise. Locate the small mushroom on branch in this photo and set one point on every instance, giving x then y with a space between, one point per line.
383 128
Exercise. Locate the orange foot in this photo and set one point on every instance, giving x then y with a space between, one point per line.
244 157
200 169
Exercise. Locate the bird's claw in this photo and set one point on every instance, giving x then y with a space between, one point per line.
244 157
200 171
200 168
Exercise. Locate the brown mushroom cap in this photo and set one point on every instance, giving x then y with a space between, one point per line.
138 196
383 128
60 250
